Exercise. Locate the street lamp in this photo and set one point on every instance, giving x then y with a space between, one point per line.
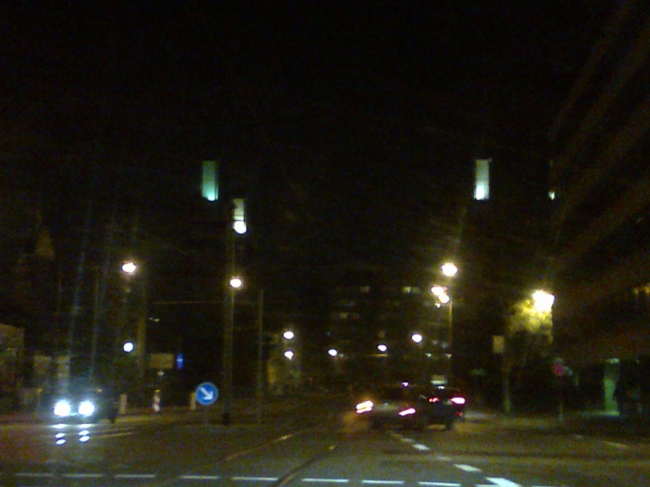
288 335
449 269
382 348
289 354
129 267
332 352
236 282
543 301
417 338
128 347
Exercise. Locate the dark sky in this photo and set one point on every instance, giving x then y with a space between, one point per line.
349 125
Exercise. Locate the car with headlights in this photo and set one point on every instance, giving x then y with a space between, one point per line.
86 405
406 405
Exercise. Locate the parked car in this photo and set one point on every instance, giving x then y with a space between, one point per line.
407 405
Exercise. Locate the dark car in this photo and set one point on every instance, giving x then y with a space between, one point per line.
86 405
453 394
406 405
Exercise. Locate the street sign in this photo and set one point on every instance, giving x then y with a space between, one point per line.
206 393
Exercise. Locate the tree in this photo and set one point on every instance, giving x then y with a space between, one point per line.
529 338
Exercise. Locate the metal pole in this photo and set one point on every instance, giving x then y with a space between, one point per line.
141 351
260 335
451 341
229 318
93 346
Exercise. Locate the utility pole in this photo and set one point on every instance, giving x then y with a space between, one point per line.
229 318
260 372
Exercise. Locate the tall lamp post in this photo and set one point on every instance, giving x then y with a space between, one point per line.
449 270
130 269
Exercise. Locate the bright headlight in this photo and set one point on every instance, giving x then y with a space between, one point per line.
86 408
62 409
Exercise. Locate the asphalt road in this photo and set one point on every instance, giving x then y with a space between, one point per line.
314 443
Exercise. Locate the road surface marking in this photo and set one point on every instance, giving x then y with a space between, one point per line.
255 479
383 482
199 477
34 474
613 444
83 475
503 482
467 468
417 446
113 435
439 484
332 481
135 476
443 458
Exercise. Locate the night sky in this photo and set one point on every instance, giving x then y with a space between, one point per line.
350 126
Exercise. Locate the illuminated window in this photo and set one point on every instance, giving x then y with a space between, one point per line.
239 215
482 179
210 181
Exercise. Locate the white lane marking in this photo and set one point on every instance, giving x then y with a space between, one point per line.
330 481
83 475
135 476
199 477
613 444
255 479
383 482
417 446
503 482
113 435
34 474
439 484
467 468
443 458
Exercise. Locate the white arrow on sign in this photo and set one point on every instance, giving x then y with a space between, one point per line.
207 395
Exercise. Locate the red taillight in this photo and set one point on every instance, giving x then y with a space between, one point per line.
407 412
458 400
434 399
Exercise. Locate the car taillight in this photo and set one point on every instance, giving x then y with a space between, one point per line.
407 412
458 400
364 407
434 399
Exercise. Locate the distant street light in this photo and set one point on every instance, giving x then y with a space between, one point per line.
289 354
382 348
543 301
437 290
449 269
333 352
128 347
288 335
236 282
417 338
129 267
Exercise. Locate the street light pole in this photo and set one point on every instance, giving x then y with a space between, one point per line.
260 372
229 318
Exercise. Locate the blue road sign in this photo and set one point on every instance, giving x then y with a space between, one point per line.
206 393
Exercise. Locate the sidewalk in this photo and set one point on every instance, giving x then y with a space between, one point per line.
595 423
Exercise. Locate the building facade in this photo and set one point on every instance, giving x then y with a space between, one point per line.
600 177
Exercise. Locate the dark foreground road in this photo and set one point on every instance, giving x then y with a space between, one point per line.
315 443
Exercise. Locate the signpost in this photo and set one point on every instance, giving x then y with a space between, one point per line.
206 394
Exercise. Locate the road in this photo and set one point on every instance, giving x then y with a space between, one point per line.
318 442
